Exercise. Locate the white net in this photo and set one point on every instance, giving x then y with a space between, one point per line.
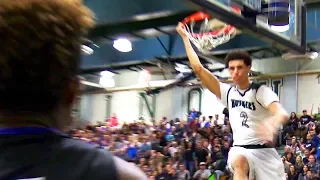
211 34
206 39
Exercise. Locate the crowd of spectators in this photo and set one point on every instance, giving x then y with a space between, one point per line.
302 151
198 148
168 149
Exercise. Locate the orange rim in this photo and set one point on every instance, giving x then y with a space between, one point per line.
199 16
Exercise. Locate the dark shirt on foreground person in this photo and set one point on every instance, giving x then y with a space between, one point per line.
46 154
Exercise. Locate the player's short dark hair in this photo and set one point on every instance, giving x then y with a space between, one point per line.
39 51
236 55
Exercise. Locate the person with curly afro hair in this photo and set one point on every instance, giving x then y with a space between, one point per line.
40 52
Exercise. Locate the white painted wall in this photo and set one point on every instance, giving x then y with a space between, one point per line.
129 78
170 103
289 93
126 78
178 102
274 65
144 111
308 90
93 108
173 103
210 104
279 65
125 105
165 104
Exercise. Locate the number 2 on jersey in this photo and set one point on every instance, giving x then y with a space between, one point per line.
244 117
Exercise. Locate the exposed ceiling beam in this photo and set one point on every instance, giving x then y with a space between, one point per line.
171 85
136 24
211 59
162 31
311 1
114 67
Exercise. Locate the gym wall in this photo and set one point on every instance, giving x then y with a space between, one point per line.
129 105
309 93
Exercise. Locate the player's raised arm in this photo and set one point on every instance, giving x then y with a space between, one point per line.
206 77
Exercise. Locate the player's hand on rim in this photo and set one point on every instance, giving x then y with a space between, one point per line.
181 30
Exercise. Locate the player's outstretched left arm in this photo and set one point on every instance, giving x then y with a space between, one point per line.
269 127
280 115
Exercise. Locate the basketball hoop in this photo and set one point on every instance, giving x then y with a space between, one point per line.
212 32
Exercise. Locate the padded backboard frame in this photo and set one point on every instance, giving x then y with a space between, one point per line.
253 26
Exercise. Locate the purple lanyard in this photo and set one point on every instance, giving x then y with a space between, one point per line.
28 131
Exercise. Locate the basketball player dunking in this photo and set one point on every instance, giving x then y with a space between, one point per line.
255 115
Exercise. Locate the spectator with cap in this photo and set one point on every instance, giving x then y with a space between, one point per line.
203 173
305 121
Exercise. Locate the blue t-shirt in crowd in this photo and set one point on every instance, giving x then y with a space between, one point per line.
169 137
132 152
193 115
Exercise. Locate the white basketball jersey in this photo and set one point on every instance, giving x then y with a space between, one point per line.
247 108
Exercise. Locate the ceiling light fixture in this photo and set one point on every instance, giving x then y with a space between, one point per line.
280 28
106 79
106 74
122 45
86 50
107 82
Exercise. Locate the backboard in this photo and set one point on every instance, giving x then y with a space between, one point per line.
255 20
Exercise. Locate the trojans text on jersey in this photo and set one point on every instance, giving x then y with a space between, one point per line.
244 104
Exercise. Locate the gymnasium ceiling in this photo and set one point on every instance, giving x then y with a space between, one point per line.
150 25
